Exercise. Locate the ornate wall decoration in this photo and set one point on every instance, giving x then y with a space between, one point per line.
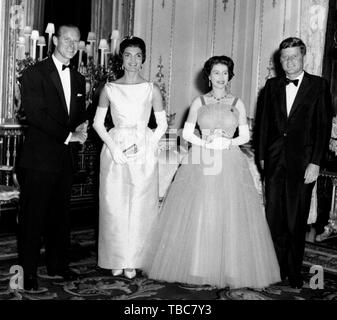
173 14
161 83
313 27
16 26
225 2
214 26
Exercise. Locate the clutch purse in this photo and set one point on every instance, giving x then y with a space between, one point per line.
131 150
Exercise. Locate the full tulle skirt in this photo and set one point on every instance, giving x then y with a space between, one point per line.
212 227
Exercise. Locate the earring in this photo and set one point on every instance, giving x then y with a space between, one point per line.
209 83
228 88
123 67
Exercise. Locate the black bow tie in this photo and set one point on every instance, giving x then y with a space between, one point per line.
295 82
66 66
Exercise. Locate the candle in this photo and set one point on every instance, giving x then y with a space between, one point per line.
103 45
88 52
27 32
34 37
21 48
114 39
41 43
106 59
91 39
81 48
50 30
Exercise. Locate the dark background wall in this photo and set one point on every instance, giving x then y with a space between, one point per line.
77 12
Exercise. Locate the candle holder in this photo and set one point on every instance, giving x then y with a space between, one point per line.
97 75
170 117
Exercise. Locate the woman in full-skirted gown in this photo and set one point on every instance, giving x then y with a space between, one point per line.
128 190
212 227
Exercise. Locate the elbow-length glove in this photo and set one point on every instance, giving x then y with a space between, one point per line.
116 152
161 126
188 134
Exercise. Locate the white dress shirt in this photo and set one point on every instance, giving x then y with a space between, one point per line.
291 92
66 85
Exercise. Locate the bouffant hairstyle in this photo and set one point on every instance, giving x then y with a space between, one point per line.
133 42
219 60
293 42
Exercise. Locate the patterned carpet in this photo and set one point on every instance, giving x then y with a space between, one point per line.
97 284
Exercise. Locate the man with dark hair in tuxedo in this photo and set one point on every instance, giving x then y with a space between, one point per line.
53 98
294 131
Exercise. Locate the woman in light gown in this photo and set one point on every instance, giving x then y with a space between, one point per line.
212 228
128 191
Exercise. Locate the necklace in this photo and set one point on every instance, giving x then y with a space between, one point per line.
211 94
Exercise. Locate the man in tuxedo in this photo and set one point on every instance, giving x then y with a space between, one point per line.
295 127
53 98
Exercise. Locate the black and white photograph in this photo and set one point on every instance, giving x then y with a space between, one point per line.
168 156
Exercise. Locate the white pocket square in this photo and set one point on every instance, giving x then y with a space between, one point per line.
79 94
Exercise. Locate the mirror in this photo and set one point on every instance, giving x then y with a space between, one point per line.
23 47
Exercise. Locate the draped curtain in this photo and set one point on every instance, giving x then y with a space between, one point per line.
34 14
314 18
108 15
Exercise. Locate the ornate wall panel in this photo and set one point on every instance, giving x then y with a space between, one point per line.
313 28
248 31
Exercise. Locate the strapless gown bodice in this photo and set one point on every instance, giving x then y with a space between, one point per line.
218 116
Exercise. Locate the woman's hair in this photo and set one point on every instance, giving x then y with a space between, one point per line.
219 60
293 42
133 42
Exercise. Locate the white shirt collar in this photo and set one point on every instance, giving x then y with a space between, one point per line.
58 63
299 78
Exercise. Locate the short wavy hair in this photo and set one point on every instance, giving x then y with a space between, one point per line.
132 41
227 61
292 42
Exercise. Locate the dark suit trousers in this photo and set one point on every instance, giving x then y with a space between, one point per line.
287 208
44 216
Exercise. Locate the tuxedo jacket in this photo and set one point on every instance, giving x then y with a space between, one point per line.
49 122
302 137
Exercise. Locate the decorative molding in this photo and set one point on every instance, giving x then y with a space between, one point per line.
284 19
214 25
270 68
130 14
233 29
173 14
151 38
260 45
225 2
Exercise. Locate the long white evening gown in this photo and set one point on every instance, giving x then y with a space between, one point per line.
128 193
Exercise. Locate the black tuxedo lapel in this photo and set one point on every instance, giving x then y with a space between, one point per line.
301 93
74 90
280 96
55 77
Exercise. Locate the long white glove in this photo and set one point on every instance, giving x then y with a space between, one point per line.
188 134
161 126
221 143
116 152
243 136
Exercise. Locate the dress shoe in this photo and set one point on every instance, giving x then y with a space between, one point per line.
117 272
30 283
295 282
130 273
